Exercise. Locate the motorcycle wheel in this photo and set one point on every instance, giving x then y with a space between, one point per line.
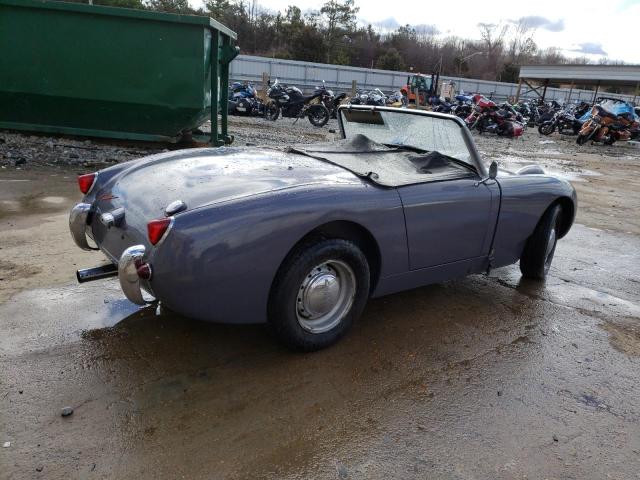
584 138
272 111
318 115
610 140
547 128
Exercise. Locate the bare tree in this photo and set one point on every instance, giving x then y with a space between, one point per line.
492 36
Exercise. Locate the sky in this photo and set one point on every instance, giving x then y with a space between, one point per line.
591 28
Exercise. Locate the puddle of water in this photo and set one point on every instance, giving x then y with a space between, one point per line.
53 200
45 317
11 205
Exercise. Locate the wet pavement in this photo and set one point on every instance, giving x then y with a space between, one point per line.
484 377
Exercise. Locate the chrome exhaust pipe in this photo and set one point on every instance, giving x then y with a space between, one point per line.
96 273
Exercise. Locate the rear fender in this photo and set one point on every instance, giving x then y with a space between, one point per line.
525 198
220 261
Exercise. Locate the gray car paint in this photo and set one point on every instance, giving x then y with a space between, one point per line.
248 208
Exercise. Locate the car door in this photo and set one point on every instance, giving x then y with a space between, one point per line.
449 221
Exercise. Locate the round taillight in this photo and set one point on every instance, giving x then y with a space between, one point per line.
156 229
85 182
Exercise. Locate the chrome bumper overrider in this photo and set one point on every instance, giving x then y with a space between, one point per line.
130 283
130 260
78 225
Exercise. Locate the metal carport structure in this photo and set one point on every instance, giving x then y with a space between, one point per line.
592 75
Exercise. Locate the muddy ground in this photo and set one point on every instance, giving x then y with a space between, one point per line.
488 377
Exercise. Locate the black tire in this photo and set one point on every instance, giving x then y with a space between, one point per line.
285 304
318 115
547 128
540 247
272 111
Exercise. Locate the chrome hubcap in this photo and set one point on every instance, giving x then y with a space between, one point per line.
325 296
551 247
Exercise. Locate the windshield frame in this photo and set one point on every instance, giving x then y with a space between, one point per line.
466 135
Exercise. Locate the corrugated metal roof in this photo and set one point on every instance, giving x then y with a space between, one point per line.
605 74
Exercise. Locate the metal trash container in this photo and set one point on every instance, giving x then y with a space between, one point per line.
98 71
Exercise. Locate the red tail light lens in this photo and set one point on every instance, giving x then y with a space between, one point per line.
144 270
157 228
86 182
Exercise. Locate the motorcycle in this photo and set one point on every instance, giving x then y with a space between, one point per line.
546 111
488 117
463 107
329 100
536 112
566 121
374 97
243 100
396 99
290 102
608 122
443 106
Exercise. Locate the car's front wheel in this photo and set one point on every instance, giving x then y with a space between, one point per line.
537 256
319 291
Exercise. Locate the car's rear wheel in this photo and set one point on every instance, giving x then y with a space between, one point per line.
319 291
537 256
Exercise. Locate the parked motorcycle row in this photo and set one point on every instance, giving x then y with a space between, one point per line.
289 101
285 101
607 121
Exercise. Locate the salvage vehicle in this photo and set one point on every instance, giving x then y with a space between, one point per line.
566 120
609 121
301 237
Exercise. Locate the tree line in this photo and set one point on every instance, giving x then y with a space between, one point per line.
333 34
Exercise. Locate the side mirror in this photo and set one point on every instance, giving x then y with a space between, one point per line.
493 170
493 173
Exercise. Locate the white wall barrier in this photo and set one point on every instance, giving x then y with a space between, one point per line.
307 75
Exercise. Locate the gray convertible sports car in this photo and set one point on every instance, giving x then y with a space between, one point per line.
301 237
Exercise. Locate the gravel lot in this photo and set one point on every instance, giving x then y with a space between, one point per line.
484 377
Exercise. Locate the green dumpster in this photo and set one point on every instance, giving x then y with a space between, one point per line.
111 72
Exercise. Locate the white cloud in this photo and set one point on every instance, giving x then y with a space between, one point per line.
563 25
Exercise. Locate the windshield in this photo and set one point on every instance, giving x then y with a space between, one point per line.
401 128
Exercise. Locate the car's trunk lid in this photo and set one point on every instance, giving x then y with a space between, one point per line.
198 177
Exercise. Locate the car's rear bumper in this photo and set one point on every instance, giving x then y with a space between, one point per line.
131 259
79 225
130 282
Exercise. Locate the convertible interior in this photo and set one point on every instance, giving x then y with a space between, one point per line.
387 164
